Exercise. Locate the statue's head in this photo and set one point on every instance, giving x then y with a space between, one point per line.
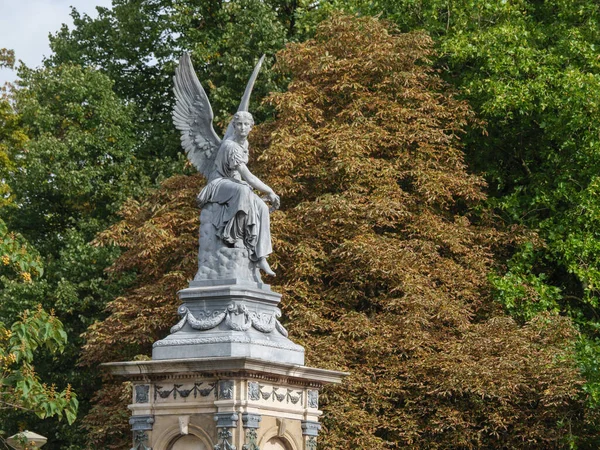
243 115
242 123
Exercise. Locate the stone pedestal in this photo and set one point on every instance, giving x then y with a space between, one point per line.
224 403
226 378
229 318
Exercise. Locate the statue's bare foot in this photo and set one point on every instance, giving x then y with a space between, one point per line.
264 266
239 244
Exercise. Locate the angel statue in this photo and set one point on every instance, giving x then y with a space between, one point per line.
235 237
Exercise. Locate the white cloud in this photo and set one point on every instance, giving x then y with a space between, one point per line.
26 24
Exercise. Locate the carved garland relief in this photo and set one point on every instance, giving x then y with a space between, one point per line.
206 320
257 392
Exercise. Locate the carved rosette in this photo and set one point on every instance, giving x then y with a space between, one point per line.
207 320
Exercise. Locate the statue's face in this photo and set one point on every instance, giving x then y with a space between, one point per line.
242 127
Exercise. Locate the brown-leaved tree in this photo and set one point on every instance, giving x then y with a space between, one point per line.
381 256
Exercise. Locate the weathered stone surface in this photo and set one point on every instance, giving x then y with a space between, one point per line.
231 187
216 259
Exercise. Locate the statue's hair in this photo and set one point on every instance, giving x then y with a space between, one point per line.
243 115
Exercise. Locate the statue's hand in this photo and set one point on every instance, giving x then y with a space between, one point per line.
274 200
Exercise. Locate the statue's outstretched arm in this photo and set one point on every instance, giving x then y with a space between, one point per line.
255 182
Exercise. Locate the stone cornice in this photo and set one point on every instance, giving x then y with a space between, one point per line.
224 368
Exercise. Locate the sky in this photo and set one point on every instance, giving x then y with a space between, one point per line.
25 25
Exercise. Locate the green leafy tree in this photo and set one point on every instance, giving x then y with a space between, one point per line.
11 134
20 385
75 167
20 265
137 43
541 152
18 259
382 256
81 146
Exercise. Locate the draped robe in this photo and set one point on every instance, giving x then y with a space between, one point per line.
242 216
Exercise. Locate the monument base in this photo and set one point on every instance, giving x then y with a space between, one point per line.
224 403
227 377
229 318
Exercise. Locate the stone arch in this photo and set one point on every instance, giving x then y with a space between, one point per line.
275 443
285 442
188 442
170 437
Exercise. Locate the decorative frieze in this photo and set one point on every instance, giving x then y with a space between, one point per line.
199 389
235 316
220 321
257 392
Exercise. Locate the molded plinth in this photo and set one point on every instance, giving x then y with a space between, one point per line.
229 318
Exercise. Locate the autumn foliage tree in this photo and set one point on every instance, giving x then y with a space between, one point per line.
382 255
531 70
386 264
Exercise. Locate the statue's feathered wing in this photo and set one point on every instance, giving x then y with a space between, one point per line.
193 116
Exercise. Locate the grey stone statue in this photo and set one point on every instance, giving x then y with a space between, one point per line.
235 238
